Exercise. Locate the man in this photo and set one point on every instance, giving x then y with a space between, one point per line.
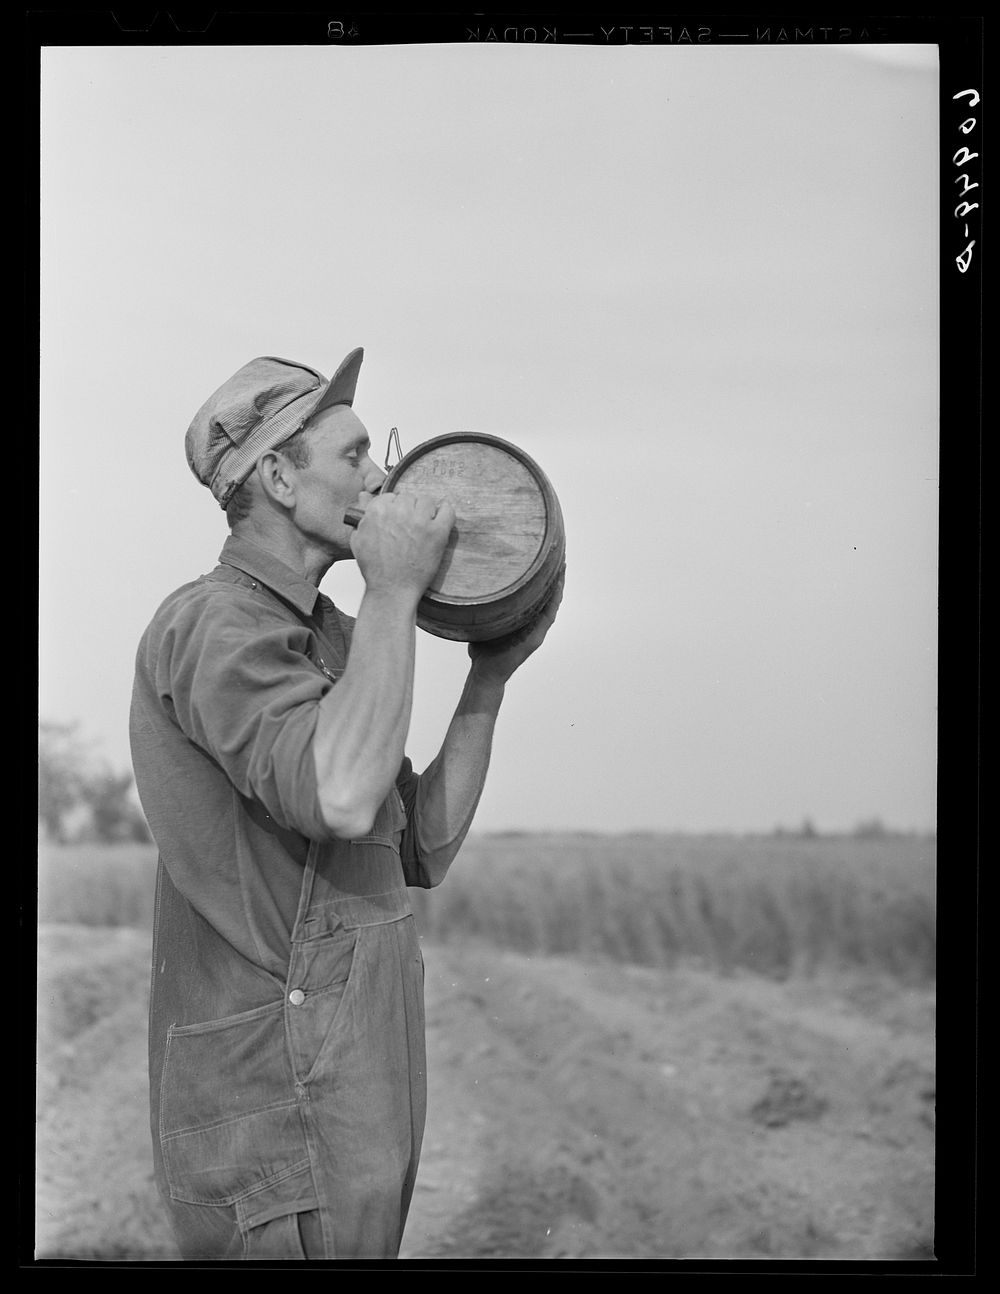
286 1047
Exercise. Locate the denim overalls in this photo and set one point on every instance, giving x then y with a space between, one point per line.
293 1129
286 1041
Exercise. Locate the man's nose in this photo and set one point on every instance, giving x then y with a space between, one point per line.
375 478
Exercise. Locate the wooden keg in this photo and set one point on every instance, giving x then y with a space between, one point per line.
508 545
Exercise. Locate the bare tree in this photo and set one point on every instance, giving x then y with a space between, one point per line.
61 761
69 778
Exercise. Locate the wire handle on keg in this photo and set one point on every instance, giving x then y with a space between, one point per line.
393 440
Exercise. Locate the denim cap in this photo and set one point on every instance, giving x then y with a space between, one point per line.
263 404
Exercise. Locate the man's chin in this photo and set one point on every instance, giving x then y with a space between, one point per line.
342 552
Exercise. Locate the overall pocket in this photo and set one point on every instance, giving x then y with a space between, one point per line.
322 976
229 1119
274 1222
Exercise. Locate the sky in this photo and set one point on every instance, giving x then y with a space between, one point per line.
699 286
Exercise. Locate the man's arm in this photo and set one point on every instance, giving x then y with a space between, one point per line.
362 724
450 787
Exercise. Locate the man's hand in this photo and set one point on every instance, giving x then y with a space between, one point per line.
400 542
500 657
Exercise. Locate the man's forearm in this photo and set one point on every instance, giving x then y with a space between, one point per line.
363 721
451 785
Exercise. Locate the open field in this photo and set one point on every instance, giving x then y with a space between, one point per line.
774 905
642 1094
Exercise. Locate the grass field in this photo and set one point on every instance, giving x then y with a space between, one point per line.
779 906
776 906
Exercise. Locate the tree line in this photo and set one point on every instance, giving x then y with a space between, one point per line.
80 797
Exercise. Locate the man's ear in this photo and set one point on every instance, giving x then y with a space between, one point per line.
276 477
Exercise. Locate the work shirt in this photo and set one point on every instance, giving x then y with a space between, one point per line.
229 678
263 916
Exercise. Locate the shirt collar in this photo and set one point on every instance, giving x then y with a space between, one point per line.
270 570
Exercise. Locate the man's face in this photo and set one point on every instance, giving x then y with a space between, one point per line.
339 469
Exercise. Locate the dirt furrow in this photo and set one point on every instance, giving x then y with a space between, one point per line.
575 1110
652 1114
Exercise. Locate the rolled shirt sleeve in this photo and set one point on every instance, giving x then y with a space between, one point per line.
411 855
242 687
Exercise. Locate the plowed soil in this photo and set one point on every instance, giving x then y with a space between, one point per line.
576 1110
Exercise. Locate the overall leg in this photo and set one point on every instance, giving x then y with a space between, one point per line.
364 1099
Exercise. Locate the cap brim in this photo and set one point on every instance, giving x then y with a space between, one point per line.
341 387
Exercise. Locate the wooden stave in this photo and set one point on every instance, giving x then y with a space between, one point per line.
488 617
